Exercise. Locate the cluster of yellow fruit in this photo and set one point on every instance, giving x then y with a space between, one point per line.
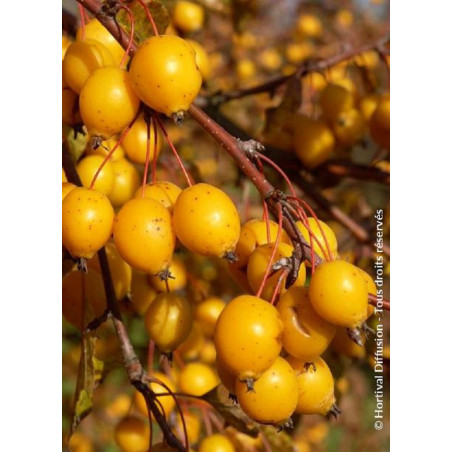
267 357
253 52
341 125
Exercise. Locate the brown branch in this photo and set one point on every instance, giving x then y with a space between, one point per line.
307 67
234 147
348 169
373 300
309 189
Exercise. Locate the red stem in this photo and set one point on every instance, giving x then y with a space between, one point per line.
176 154
132 33
113 149
270 262
148 121
149 16
82 19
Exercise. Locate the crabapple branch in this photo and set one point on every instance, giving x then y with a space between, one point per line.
307 67
307 187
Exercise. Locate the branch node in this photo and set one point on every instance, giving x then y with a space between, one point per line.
250 148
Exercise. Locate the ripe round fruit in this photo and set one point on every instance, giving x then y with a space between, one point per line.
132 435
189 349
349 127
169 320
167 402
313 140
202 59
188 16
258 263
86 169
367 105
135 143
338 293
66 41
164 74
103 150
207 313
166 193
96 31
80 443
274 398
270 59
315 386
178 279
248 336
108 102
296 52
306 335
87 221
317 232
126 182
206 221
335 100
144 235
379 123
70 113
197 379
67 187
252 234
246 69
309 26
216 443
81 60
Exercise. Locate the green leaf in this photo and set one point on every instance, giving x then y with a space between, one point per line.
88 372
76 142
143 26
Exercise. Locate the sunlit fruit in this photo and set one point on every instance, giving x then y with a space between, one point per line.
315 386
274 397
338 293
87 221
206 221
306 335
197 379
169 320
256 341
164 74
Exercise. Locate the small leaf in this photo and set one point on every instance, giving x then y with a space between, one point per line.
143 26
87 378
76 143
